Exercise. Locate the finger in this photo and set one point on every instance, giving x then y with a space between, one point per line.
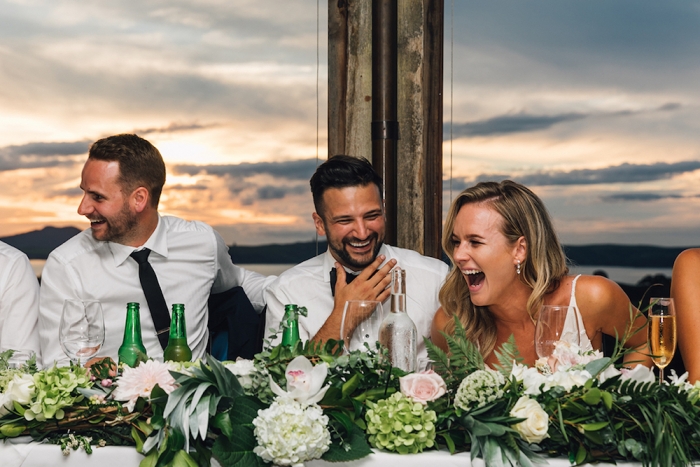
384 294
383 274
372 268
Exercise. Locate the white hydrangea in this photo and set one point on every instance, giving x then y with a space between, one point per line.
479 389
289 433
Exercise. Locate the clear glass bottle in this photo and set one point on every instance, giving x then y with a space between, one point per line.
132 351
177 349
398 333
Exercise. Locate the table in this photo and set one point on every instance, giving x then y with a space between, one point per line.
20 452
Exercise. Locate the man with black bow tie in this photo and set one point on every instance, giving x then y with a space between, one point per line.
347 195
132 254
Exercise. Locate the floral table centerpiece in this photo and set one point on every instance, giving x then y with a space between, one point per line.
296 403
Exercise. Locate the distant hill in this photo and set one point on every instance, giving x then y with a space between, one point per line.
631 256
291 253
39 243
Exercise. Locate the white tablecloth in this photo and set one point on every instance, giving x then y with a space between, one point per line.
22 453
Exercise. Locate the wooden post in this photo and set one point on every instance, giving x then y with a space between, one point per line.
420 31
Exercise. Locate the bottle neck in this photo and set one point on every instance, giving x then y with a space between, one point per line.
398 303
178 329
132 329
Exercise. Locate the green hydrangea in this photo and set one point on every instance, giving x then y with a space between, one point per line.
399 424
56 389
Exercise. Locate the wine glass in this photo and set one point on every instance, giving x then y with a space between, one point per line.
662 332
360 324
556 324
82 329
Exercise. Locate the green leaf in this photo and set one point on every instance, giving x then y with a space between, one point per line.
222 421
351 384
607 399
449 442
12 430
183 459
136 436
594 426
150 460
245 410
507 355
592 396
237 452
597 366
354 447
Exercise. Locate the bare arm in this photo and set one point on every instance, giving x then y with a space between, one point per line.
685 290
440 321
605 307
367 286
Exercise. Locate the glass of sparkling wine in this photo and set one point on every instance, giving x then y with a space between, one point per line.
662 332
82 329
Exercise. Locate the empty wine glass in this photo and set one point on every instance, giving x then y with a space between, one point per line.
82 329
556 324
360 324
662 332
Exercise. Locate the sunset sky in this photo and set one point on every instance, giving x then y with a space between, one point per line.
592 103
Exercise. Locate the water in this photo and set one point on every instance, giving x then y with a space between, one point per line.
618 274
398 334
622 275
264 269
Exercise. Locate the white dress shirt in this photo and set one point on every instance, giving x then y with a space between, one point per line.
190 260
308 285
19 302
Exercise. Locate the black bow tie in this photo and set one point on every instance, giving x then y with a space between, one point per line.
334 278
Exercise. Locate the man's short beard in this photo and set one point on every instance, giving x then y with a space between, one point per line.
344 257
121 228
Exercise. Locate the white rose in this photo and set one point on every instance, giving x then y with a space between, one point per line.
570 379
610 372
639 374
20 389
4 399
243 369
531 378
534 428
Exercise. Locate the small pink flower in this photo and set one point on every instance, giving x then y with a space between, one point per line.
423 387
106 382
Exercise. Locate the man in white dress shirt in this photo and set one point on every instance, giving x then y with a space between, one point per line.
19 302
122 181
347 195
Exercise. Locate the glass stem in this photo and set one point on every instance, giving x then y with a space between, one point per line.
661 376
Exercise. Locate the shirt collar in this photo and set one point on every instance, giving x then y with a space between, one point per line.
157 243
329 262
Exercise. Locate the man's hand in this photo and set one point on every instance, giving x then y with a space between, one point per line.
371 284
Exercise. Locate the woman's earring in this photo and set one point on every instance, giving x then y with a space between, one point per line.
517 267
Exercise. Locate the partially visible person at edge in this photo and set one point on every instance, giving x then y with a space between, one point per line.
347 195
122 181
508 263
685 291
19 302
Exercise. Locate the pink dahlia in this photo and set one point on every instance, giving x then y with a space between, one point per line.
140 381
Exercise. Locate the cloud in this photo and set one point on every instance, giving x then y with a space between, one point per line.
516 123
623 173
645 196
292 170
175 127
41 154
524 122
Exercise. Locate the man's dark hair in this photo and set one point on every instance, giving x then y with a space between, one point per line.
140 163
341 172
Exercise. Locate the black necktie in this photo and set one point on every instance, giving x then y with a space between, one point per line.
154 295
334 278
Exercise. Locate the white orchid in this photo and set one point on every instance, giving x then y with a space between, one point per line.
639 374
304 381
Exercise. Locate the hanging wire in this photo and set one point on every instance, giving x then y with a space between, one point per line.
452 80
318 53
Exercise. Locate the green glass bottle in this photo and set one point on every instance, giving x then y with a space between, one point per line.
177 349
290 335
132 351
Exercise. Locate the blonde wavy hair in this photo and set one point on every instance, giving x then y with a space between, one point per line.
523 215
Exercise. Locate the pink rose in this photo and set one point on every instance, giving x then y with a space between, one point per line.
423 387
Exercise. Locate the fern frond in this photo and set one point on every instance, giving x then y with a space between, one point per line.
507 355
